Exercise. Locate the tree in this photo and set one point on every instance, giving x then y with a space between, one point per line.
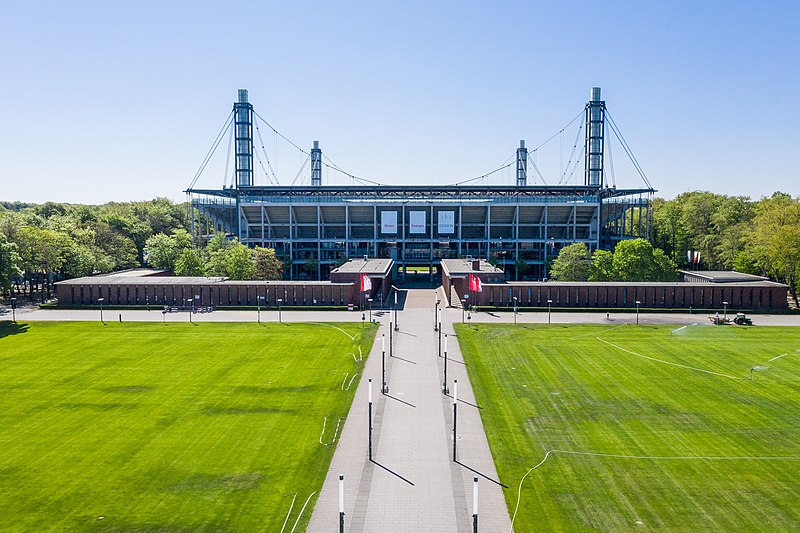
636 260
266 264
311 265
572 263
776 239
189 263
602 266
239 262
10 263
162 251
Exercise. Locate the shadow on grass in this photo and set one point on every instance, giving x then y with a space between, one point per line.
484 476
12 328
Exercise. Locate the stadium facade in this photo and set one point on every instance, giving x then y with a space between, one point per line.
521 227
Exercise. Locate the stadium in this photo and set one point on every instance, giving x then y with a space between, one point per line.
521 226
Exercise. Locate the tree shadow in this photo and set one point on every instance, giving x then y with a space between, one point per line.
12 328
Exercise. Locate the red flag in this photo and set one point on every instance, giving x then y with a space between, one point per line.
366 283
471 282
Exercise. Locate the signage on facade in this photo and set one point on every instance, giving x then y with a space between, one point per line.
389 222
447 222
416 222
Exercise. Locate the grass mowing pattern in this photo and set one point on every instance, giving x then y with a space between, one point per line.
558 387
168 428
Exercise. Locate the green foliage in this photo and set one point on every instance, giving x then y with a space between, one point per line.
181 427
310 266
266 264
10 263
58 241
637 260
189 263
560 388
572 263
239 262
162 251
602 266
775 239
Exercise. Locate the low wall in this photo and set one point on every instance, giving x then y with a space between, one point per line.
760 296
224 293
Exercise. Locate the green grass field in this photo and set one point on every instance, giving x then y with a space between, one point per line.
548 388
146 427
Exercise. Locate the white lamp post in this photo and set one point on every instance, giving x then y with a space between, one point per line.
280 300
101 309
258 303
637 311
549 303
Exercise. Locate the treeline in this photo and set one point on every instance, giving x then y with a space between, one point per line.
699 231
731 233
223 256
41 244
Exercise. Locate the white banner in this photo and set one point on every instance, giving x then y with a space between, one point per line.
447 221
389 222
416 221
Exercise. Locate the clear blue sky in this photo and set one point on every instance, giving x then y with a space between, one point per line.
120 101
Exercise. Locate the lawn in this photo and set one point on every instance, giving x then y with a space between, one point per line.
147 427
683 441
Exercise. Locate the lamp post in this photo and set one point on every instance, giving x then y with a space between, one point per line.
370 309
637 311
725 310
475 504
190 302
436 314
549 303
14 310
444 382
341 503
101 309
455 417
258 303
469 319
369 397
280 301
396 327
384 388
515 310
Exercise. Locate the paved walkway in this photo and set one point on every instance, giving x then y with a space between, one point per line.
412 484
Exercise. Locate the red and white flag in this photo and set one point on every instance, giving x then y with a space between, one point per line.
697 257
478 286
366 283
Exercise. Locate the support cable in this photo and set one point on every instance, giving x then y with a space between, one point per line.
572 153
483 176
559 132
264 150
536 168
611 162
213 148
627 149
228 161
301 170
281 135
576 165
